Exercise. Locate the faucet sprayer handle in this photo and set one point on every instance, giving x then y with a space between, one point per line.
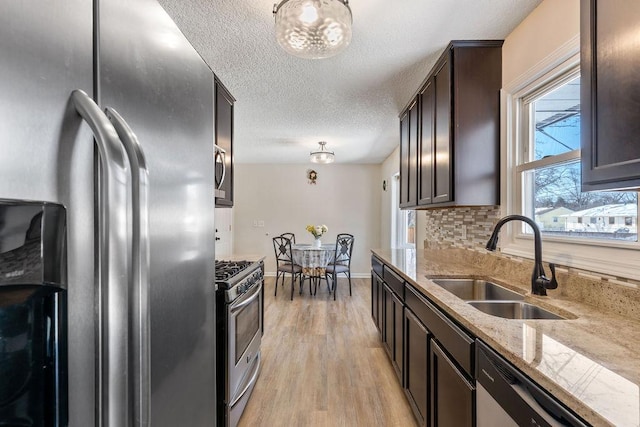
541 283
554 283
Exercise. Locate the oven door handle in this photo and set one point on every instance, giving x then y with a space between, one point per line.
248 301
254 376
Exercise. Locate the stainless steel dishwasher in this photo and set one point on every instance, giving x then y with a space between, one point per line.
506 397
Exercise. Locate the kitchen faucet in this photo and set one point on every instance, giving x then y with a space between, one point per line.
539 282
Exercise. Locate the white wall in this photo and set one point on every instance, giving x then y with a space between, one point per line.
390 167
224 232
345 197
551 25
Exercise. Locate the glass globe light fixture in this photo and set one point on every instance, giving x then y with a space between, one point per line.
313 29
322 156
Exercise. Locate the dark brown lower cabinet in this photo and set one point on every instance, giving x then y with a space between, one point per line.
452 394
431 354
387 319
416 366
398 337
392 336
376 297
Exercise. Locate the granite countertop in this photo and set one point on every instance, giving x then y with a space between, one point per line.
590 362
246 257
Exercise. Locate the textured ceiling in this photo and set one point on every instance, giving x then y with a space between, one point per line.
285 105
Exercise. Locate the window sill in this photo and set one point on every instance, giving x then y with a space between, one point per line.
619 261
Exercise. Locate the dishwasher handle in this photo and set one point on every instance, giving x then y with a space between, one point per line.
519 396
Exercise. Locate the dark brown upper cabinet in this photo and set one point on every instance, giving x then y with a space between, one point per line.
409 156
404 160
442 162
610 92
458 129
224 139
427 143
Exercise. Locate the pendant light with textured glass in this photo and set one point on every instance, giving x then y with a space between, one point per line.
313 29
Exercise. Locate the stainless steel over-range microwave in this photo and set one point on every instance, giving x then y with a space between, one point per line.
220 162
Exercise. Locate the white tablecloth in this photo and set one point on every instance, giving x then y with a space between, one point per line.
309 257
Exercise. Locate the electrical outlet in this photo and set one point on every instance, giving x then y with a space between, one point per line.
261 223
255 222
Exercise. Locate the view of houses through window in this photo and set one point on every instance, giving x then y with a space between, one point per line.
409 226
550 173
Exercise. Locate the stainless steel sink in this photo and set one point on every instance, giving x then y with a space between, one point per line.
513 310
494 299
477 290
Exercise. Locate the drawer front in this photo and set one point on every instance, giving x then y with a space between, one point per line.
376 265
394 281
456 341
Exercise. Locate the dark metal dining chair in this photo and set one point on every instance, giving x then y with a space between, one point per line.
289 236
284 262
341 262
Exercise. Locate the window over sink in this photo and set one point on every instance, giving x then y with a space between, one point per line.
596 231
550 171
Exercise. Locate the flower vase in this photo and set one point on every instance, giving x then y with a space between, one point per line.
317 243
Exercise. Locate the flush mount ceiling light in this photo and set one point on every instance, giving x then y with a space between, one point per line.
313 29
322 156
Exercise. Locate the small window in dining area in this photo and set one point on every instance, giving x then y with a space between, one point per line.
403 222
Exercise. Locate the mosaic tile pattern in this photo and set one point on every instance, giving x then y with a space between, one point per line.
446 227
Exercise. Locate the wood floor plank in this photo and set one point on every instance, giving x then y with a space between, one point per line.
323 363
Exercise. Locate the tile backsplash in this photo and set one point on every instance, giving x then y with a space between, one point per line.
460 227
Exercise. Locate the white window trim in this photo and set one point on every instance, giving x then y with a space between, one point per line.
399 229
394 206
619 259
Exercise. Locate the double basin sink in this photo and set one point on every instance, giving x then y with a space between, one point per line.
494 299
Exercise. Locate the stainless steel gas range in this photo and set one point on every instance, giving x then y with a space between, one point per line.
239 303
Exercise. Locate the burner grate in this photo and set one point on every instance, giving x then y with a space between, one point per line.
225 270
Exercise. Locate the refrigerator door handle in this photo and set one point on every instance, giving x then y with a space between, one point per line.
112 270
139 314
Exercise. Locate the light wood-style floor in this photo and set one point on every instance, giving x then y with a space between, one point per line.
323 363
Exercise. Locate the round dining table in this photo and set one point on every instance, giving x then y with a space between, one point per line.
313 260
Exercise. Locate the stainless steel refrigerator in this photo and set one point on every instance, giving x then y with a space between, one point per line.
140 220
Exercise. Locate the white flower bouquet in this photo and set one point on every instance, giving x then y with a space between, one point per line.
317 230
